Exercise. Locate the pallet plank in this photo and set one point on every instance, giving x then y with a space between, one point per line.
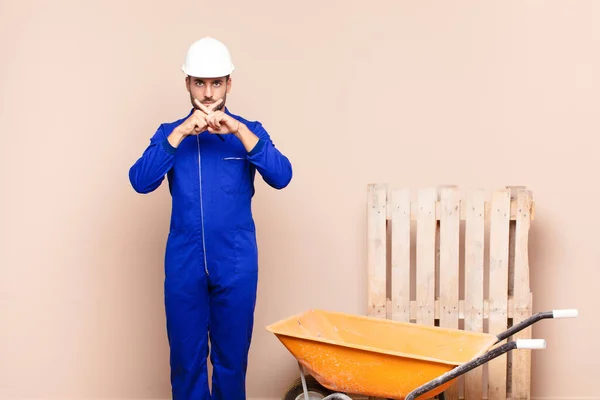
461 309
400 205
499 253
521 366
474 267
426 232
511 278
376 250
449 263
463 211
449 253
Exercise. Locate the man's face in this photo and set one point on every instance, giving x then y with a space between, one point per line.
208 90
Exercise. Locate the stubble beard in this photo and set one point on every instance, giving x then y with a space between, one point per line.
220 107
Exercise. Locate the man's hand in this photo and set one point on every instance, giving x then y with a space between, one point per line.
193 125
198 121
218 122
221 123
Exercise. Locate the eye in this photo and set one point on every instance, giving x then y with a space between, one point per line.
217 84
199 83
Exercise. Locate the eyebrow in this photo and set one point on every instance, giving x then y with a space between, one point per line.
203 80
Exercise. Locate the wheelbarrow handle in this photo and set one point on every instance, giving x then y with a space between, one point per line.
531 344
468 366
565 313
496 351
535 318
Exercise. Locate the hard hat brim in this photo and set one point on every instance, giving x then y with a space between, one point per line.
207 73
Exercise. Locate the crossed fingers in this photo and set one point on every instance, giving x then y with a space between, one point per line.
205 109
214 119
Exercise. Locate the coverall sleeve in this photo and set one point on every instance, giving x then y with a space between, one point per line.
273 166
148 172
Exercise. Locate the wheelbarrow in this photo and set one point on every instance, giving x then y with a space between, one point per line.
368 356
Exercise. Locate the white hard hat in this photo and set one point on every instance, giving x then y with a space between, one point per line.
208 58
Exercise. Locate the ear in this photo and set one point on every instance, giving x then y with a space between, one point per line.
228 84
187 83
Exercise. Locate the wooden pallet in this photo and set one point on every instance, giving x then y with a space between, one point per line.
459 259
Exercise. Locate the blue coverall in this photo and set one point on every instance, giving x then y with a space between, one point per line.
211 257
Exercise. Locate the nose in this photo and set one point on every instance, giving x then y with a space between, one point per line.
208 91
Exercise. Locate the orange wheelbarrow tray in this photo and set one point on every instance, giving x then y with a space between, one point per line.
351 354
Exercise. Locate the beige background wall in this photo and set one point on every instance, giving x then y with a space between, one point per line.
415 93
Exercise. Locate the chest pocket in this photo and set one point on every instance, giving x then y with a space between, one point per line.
235 174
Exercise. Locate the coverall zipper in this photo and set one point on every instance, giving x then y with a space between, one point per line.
201 204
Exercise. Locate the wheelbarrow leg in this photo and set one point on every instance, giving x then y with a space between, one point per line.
333 396
303 378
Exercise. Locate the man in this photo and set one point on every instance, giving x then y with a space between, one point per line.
210 158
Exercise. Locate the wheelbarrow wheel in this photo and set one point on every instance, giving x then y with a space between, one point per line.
315 390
